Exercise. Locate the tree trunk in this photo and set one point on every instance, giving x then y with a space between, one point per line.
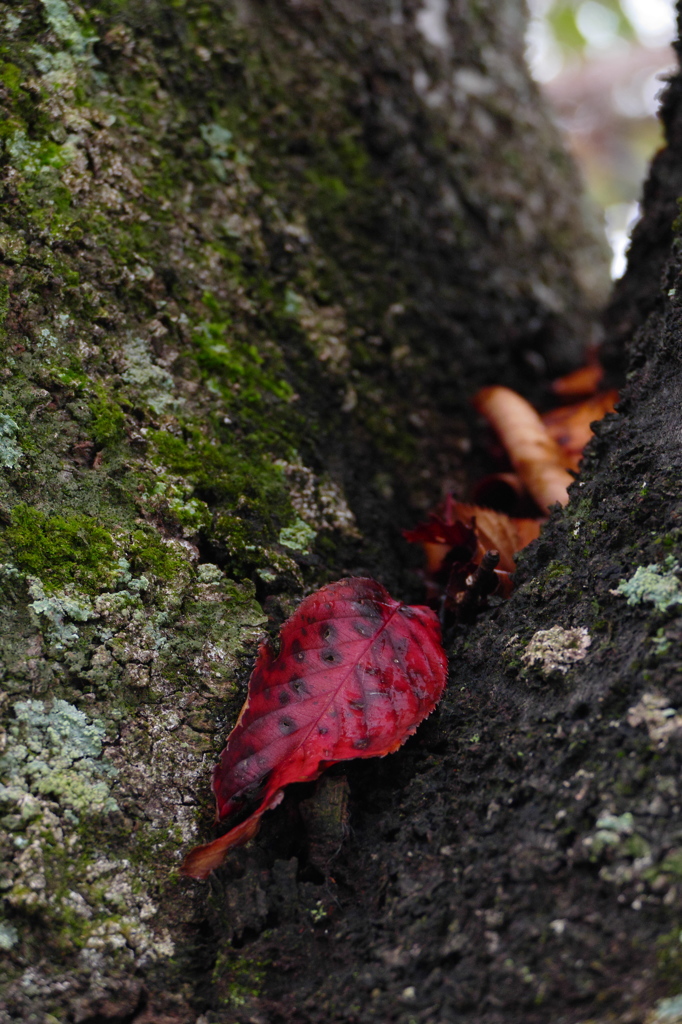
256 257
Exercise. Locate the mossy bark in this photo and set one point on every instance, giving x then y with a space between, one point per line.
256 256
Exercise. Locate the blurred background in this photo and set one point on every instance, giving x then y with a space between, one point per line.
603 64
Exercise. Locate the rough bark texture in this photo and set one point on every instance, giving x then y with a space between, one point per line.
255 258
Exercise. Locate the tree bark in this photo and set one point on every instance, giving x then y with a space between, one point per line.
256 257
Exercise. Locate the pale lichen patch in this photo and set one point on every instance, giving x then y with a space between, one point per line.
666 1011
556 649
55 750
60 611
65 26
299 536
10 452
655 584
55 772
611 827
653 710
318 501
8 935
325 328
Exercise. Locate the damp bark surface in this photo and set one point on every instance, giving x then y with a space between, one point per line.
255 259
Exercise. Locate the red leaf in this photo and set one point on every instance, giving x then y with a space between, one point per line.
355 674
462 533
438 537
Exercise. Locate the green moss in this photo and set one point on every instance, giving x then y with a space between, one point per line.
660 643
236 362
108 423
673 864
248 377
148 554
4 302
59 549
669 956
32 156
223 475
331 191
234 532
11 76
238 979
555 570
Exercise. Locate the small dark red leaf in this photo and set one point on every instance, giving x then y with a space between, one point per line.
355 674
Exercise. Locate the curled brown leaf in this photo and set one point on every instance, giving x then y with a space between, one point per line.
536 457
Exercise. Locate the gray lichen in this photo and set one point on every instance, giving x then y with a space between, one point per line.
662 721
299 536
55 775
10 452
65 26
610 830
317 499
666 1011
54 750
60 611
556 649
655 584
9 936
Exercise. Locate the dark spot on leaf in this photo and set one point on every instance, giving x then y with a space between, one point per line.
286 724
249 793
284 697
367 609
298 686
295 645
360 628
356 705
300 656
361 744
322 730
327 631
332 657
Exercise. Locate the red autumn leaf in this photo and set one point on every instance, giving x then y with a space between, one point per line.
355 674
470 548
463 533
469 553
441 535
